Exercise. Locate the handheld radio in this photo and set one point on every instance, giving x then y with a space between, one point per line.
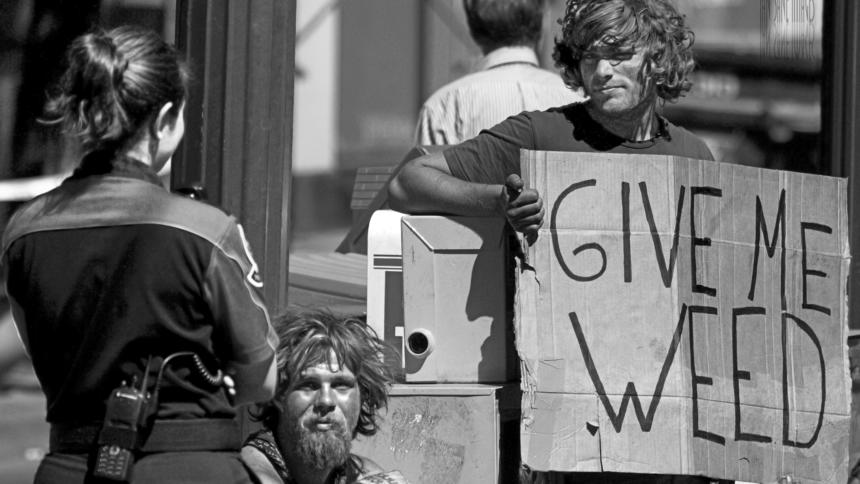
118 439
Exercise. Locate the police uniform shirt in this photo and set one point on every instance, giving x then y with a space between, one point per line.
110 268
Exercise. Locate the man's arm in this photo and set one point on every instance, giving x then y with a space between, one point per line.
425 185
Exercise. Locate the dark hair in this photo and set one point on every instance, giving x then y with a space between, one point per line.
308 338
502 23
654 26
113 83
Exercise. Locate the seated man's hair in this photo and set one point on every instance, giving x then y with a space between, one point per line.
308 337
504 23
653 28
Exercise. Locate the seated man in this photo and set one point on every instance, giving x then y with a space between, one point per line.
331 383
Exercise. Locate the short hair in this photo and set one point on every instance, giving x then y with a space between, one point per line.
503 23
652 25
307 338
113 83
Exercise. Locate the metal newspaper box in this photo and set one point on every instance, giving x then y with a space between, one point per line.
455 317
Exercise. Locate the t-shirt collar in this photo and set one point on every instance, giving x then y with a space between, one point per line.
508 55
591 130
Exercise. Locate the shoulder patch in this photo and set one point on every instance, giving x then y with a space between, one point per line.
253 275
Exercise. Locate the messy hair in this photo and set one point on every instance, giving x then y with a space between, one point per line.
307 338
652 27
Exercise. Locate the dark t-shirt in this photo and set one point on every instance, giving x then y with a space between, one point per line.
495 153
108 269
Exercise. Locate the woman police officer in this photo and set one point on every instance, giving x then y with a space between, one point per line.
131 300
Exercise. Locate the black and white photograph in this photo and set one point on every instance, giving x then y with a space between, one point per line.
429 241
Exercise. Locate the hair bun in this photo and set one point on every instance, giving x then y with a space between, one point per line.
110 57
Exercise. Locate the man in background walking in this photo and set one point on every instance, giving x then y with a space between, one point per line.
508 79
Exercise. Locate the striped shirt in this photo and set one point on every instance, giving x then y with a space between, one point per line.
508 82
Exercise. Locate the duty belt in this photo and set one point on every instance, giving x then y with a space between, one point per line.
166 436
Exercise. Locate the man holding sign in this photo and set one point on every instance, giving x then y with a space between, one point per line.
627 56
677 317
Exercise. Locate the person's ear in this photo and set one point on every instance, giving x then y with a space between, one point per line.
166 119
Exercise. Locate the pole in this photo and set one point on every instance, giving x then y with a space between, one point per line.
238 143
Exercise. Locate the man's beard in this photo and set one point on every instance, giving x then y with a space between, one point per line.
321 450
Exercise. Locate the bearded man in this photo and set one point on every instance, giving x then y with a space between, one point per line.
331 383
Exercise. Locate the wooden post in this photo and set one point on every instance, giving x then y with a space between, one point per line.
239 116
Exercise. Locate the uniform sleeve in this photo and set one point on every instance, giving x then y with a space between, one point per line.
494 154
245 338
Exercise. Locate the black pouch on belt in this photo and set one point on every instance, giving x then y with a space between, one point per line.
119 437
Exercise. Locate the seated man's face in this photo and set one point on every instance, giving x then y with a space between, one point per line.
612 76
321 412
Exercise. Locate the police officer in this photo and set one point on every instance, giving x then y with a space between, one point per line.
141 310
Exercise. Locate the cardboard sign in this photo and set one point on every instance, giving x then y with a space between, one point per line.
678 316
